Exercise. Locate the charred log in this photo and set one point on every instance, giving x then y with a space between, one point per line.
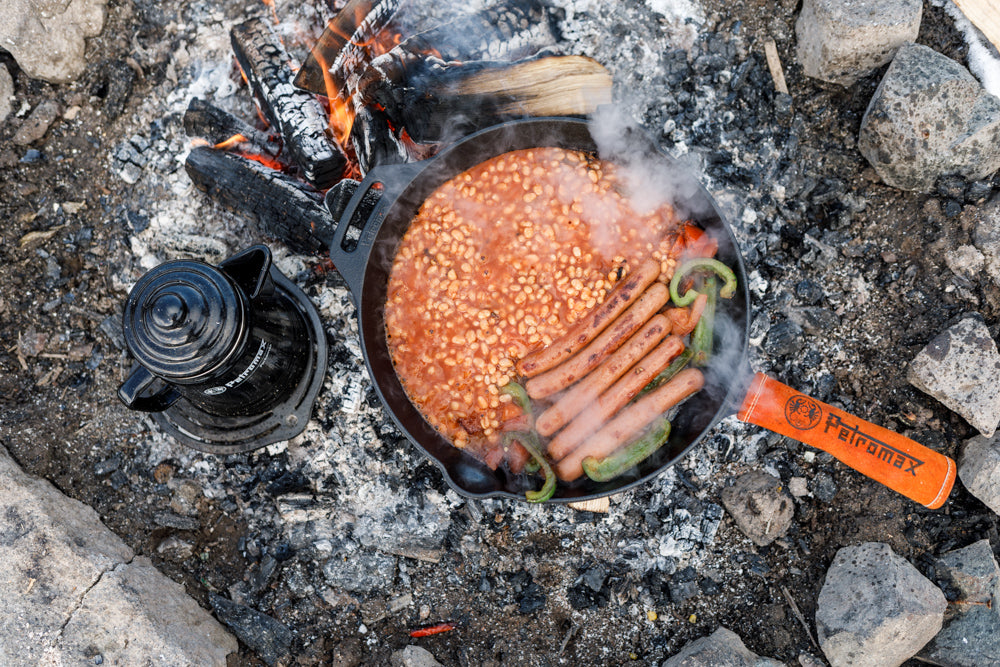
374 140
464 97
297 115
345 46
506 33
209 122
284 207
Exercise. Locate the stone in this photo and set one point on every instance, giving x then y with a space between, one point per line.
841 41
987 239
971 633
961 368
722 648
875 608
965 261
6 94
134 612
37 123
979 469
46 37
72 590
762 510
413 656
930 117
270 639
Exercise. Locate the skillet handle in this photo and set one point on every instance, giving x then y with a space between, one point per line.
353 238
903 465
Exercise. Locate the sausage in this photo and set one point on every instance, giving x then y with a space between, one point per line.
631 422
586 391
586 329
609 340
615 398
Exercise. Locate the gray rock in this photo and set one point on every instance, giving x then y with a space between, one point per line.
929 117
961 368
722 648
971 634
413 656
840 41
987 239
875 608
979 469
760 507
6 94
37 123
71 589
134 612
46 37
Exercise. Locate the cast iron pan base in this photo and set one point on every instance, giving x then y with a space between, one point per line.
230 435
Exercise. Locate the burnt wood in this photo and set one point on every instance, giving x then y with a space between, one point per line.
211 123
284 207
345 46
374 141
297 115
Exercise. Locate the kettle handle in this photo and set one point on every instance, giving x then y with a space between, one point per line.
130 392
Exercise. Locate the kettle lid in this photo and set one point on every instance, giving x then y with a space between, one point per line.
183 319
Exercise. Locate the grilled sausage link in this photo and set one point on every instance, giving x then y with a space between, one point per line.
609 340
586 391
586 329
615 398
631 422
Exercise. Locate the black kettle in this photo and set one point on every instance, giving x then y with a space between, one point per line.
224 346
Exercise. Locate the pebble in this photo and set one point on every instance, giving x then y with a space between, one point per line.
875 608
961 368
37 123
841 41
48 39
925 89
413 656
759 506
722 648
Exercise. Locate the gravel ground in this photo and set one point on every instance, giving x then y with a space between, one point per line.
350 539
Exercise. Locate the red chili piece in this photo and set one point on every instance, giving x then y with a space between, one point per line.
433 630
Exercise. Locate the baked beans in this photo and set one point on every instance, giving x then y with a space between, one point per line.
499 261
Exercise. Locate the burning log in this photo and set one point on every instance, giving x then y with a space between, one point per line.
464 97
374 140
340 196
284 207
297 115
345 47
209 122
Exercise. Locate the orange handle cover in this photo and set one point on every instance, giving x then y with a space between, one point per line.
903 465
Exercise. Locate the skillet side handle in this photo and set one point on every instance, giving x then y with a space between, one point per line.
903 465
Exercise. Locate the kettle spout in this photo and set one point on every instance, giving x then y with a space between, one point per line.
250 269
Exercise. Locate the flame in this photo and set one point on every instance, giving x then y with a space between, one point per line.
341 113
230 142
263 159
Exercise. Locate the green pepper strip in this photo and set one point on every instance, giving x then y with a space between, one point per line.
669 372
628 456
702 336
701 264
529 440
520 396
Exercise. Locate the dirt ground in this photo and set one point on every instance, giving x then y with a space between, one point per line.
65 267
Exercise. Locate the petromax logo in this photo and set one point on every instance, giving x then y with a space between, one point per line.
258 359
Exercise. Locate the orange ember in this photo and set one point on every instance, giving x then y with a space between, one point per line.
230 142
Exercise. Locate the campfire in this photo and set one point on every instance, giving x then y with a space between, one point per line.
370 95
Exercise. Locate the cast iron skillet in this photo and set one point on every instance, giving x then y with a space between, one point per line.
363 251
